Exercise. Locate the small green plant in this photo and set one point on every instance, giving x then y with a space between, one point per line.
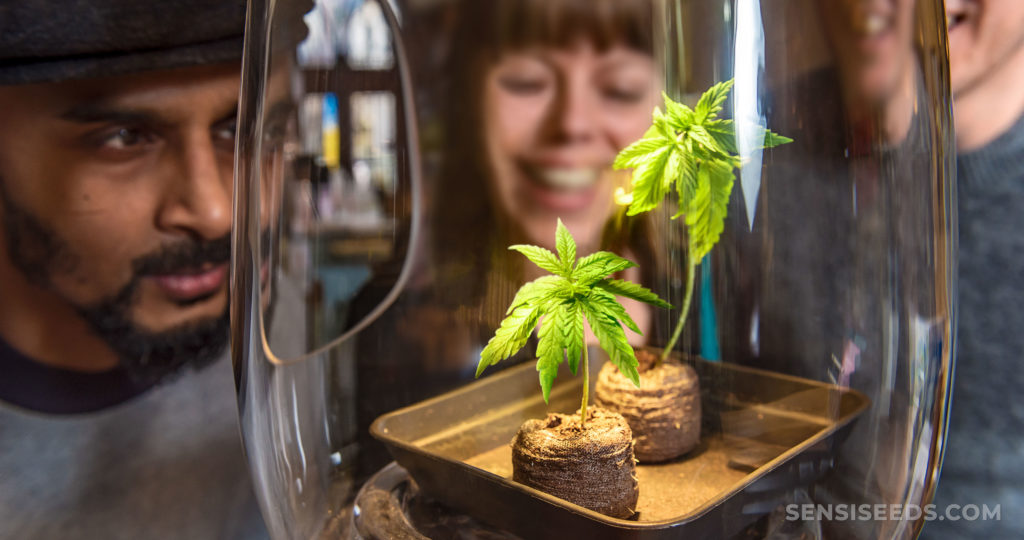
695 152
576 289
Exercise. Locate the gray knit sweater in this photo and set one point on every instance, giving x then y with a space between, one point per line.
984 462
166 464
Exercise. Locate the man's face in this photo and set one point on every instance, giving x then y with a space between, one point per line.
983 34
115 196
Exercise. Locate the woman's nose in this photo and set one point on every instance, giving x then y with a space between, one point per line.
573 114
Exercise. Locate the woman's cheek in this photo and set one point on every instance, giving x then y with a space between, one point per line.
518 120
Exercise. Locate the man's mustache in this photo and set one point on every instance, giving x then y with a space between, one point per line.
189 256
184 256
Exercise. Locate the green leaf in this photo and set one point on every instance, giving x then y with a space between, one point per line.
566 246
572 327
641 150
599 265
605 301
766 136
707 143
686 184
724 134
675 159
563 300
648 185
711 101
613 340
629 289
772 140
679 116
540 290
705 216
549 351
541 257
510 337
662 124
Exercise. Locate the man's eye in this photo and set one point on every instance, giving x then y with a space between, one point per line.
124 138
225 131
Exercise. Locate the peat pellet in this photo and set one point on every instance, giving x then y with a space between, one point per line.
664 413
592 467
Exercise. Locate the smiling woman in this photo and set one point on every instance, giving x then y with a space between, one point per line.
541 105
553 91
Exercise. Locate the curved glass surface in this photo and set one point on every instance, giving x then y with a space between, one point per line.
390 153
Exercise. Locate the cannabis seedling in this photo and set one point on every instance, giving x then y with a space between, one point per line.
577 289
694 151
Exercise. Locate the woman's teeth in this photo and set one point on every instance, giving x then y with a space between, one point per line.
872 24
567 178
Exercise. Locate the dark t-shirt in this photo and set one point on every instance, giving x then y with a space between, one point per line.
38 387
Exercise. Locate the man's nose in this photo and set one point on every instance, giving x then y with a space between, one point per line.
197 200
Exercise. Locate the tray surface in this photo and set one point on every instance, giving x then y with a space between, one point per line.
759 428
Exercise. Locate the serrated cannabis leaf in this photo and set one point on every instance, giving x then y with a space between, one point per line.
578 289
636 153
566 247
541 287
598 265
612 339
705 217
680 148
606 302
511 336
620 287
648 180
695 151
679 115
711 101
724 134
772 139
550 350
541 257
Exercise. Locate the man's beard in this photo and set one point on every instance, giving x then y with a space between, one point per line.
39 252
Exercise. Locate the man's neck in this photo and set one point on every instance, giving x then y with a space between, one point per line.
43 327
986 110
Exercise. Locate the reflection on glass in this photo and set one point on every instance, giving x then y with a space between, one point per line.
820 325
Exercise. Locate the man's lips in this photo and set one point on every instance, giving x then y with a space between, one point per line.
191 285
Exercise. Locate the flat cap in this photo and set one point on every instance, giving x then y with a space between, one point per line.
56 40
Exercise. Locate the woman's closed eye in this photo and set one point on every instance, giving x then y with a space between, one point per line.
625 94
524 75
523 85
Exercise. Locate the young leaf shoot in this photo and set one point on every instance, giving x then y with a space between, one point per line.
695 152
577 289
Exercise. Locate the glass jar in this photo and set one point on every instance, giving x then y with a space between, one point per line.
391 152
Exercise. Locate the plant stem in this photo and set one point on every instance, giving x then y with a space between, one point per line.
690 272
586 389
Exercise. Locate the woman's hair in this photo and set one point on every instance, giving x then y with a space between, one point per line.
503 25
